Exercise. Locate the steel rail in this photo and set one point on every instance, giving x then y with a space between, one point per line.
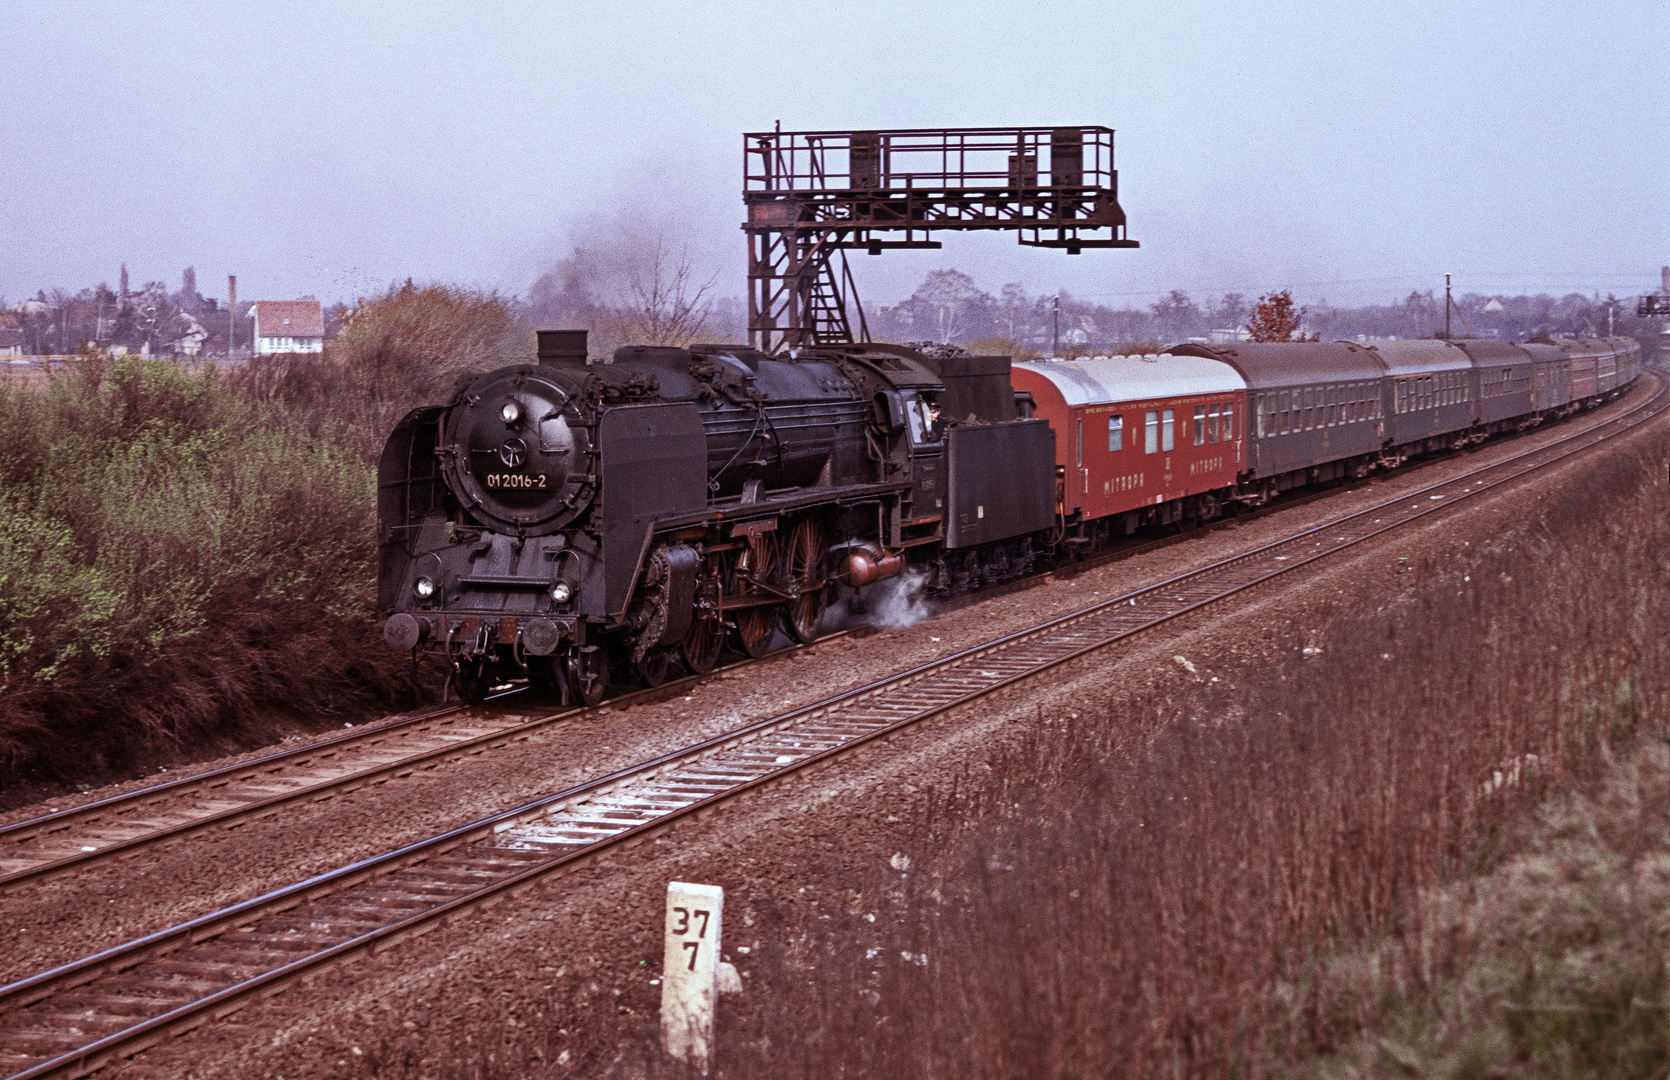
237 794
180 977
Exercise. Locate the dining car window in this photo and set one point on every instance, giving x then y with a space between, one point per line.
1151 433
1212 413
1168 430
1229 421
1200 425
1116 432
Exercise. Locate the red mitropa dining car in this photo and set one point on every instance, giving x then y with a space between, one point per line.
1140 439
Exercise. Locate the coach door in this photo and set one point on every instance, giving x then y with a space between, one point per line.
1078 457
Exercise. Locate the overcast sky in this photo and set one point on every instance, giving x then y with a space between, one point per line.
1351 151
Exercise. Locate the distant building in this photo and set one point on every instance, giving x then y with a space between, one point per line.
11 334
186 335
288 326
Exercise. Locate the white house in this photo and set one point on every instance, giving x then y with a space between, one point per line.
11 335
288 326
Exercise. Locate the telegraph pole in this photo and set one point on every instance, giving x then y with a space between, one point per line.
1055 340
232 314
1446 307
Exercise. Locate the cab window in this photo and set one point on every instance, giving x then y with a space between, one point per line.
923 412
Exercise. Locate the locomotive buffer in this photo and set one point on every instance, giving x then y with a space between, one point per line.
811 196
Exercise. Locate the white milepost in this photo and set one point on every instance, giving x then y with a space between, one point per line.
689 971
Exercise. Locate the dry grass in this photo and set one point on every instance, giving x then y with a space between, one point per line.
1273 883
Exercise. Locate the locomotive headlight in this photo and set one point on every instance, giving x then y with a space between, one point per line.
561 592
424 587
510 411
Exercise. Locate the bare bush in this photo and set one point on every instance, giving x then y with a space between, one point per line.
394 353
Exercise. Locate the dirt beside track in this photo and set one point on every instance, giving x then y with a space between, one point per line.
562 979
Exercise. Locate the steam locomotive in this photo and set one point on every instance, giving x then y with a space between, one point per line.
573 523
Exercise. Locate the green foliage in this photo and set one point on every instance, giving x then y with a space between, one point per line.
141 506
1553 965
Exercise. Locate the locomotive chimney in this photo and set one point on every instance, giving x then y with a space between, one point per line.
562 347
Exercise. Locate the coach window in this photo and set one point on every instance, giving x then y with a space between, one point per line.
1200 425
1078 443
1284 403
1151 433
1116 433
1168 432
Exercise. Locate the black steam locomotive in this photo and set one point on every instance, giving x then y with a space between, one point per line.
573 522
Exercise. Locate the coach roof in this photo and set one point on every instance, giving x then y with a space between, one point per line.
1306 363
1104 380
1493 352
1404 358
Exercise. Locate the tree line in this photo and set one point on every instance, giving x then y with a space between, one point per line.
950 307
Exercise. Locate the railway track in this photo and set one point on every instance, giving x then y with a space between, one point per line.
123 825
72 1019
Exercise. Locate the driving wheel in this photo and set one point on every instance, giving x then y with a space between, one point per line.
805 559
755 626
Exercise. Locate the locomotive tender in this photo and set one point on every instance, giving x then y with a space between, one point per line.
571 521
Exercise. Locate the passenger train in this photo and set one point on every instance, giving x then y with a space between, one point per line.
575 522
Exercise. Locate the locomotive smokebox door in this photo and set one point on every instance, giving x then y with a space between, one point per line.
1002 482
653 462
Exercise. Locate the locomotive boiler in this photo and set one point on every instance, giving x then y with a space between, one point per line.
571 522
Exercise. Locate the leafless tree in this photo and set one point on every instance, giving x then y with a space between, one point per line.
664 305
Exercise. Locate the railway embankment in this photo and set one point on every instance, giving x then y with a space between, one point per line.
187 556
1178 852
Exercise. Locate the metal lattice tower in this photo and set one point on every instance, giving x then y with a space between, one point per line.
812 196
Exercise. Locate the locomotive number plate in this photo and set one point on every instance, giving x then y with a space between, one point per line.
516 480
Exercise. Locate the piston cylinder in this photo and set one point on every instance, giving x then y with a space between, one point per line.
864 565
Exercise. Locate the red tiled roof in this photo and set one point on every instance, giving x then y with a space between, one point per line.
11 320
289 318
